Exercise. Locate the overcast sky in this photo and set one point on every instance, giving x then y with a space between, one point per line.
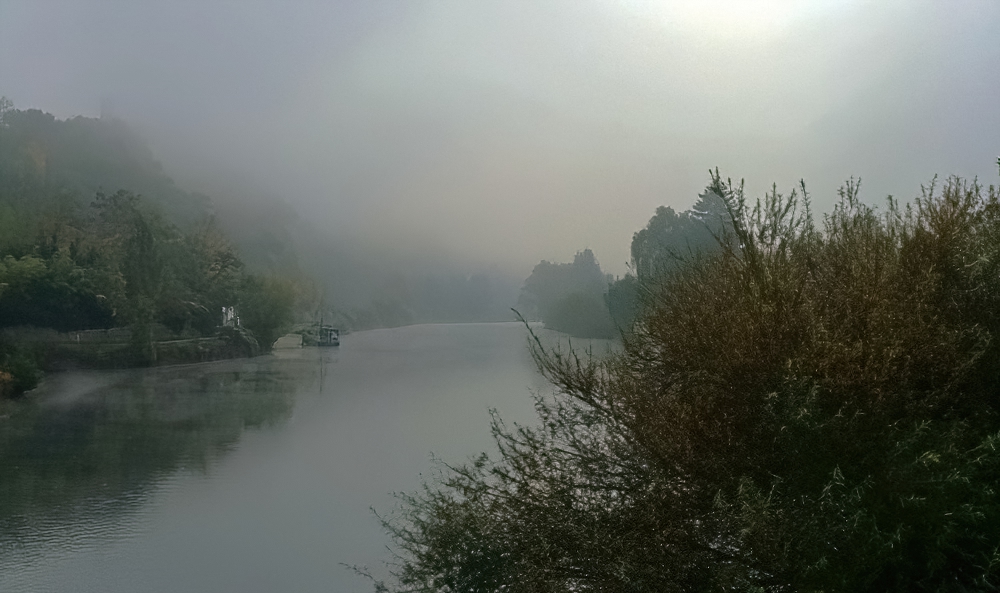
510 132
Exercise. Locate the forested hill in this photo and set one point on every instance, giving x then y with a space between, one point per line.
43 159
93 235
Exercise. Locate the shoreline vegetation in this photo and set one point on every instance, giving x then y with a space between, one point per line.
107 280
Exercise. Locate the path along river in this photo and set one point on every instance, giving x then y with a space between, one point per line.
253 475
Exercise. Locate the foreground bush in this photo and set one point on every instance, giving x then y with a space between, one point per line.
805 409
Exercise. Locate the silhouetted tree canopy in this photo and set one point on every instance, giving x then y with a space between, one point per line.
671 238
668 241
570 297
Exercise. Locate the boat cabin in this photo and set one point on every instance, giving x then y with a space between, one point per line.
328 336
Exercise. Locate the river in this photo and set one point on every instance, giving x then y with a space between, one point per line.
244 475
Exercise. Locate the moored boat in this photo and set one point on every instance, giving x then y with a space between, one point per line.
328 336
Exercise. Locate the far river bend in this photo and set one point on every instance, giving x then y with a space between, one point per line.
253 475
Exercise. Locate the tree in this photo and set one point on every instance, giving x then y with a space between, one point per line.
52 293
266 307
203 274
570 297
622 301
6 106
668 241
671 238
803 410
581 314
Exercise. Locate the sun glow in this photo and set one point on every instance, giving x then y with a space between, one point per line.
735 20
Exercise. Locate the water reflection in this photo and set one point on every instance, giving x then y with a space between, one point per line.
91 445
246 476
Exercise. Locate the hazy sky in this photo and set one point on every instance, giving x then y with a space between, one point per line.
514 131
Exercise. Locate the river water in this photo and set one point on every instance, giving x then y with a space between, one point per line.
245 475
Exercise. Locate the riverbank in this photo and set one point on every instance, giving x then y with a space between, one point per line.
30 352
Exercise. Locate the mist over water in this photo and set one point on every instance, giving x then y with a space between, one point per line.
245 475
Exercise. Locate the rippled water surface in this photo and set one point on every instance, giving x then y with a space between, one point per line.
244 475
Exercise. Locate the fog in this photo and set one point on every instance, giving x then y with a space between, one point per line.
502 133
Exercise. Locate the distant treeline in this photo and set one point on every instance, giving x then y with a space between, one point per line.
579 299
356 285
